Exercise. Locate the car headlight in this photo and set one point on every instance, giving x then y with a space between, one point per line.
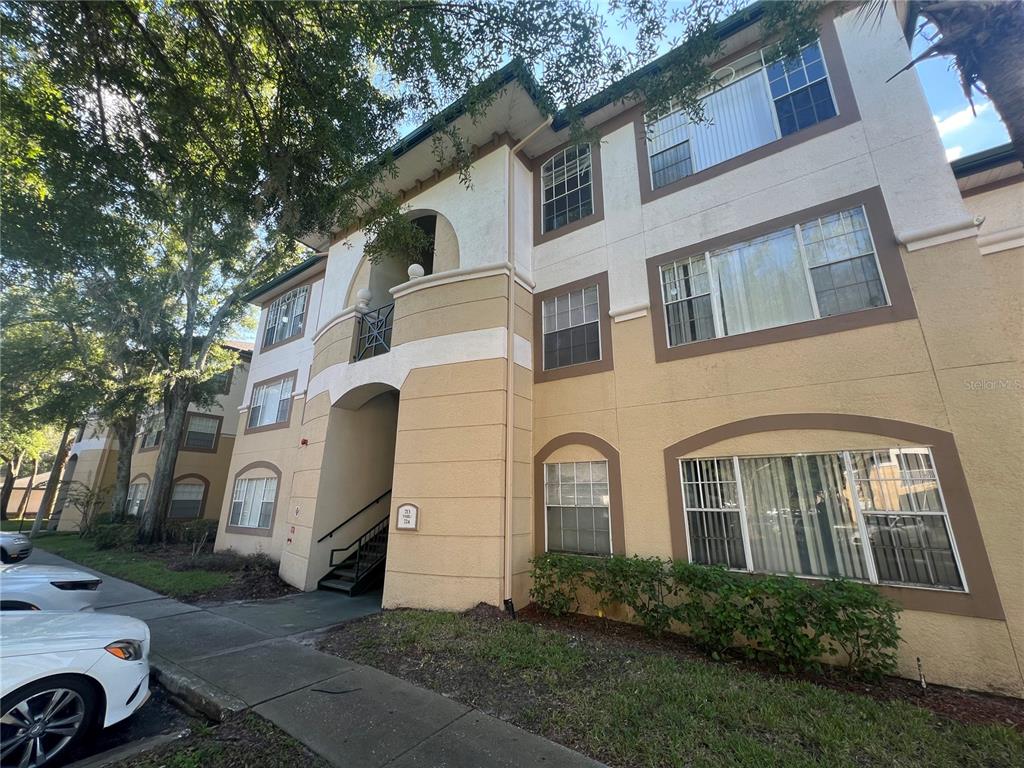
126 650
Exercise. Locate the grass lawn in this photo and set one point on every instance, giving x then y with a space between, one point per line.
630 704
12 525
241 743
140 567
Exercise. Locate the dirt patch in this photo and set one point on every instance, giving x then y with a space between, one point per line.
963 706
242 742
253 577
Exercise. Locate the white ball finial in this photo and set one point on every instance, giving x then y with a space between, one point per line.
363 297
415 270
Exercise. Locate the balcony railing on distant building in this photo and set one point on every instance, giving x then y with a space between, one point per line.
374 332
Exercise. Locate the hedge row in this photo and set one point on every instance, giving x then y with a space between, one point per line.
791 621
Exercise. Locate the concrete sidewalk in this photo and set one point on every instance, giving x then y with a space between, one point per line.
259 655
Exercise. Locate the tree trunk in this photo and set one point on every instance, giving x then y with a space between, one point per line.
1000 65
125 429
160 488
23 505
60 460
985 38
13 466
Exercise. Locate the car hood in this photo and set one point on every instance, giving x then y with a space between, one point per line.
14 538
23 633
30 572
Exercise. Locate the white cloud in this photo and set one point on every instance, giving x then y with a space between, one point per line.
958 120
953 153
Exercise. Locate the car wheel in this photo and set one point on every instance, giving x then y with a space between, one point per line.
44 719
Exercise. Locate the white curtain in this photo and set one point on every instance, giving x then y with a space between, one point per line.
799 516
761 283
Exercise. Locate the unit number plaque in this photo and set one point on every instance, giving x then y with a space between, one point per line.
408 517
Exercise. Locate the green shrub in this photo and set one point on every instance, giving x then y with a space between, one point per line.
189 531
791 621
226 561
111 536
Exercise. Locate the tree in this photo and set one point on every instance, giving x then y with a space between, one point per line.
984 37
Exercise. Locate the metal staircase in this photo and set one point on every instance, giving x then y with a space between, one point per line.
363 563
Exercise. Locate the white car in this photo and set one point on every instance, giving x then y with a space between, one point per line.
63 674
14 547
27 587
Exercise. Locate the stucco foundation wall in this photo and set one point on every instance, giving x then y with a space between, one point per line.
956 368
96 470
449 460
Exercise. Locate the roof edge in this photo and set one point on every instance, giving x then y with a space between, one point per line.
994 157
284 277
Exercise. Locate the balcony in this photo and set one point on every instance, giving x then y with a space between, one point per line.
373 332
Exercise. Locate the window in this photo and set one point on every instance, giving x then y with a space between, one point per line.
153 430
137 493
187 499
286 316
221 382
271 403
566 187
825 266
756 101
571 327
252 504
800 90
201 432
577 507
873 516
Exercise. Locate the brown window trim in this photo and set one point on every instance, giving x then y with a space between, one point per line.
606 362
539 235
890 261
294 375
265 307
245 530
983 599
156 445
846 109
216 437
202 502
611 455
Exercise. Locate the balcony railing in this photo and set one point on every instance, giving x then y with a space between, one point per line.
374 332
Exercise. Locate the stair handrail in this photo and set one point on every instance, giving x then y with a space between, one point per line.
381 526
342 524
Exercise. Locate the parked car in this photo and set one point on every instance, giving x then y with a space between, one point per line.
14 547
63 675
27 587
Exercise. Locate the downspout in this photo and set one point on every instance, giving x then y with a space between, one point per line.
510 365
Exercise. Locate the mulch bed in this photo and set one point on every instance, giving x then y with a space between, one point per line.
250 583
960 705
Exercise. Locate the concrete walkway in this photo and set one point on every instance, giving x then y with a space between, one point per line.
260 655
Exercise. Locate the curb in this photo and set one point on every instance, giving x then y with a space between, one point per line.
194 691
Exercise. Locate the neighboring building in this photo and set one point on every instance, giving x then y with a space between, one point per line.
199 474
770 342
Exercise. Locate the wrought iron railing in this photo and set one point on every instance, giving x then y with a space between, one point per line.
375 332
370 549
351 517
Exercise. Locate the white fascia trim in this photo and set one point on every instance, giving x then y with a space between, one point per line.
458 275
1003 240
630 313
341 317
393 367
90 444
962 229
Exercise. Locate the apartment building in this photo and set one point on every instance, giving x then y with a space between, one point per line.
201 470
785 341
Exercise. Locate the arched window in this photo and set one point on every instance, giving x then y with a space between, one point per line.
187 498
254 499
137 493
567 187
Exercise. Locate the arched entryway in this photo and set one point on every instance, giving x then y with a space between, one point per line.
354 493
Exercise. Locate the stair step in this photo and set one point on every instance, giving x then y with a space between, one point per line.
337 584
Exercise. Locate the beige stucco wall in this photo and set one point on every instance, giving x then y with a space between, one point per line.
956 368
